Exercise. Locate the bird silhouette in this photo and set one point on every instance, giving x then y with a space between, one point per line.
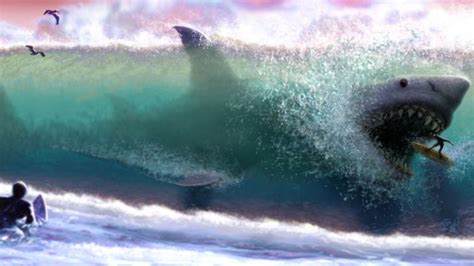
33 52
52 13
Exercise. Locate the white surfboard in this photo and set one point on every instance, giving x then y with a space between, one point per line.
40 210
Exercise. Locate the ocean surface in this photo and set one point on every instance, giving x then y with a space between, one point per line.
105 131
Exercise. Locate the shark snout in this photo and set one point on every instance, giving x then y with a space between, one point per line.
452 89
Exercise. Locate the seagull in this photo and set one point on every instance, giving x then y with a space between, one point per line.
33 52
52 13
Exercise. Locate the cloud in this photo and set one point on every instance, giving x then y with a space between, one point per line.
259 4
274 22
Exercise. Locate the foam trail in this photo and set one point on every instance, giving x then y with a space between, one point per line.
90 225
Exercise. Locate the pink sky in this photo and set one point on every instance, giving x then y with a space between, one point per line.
25 13
147 20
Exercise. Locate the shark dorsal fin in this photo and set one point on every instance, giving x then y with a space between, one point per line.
209 67
192 38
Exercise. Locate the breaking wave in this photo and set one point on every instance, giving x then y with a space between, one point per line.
113 116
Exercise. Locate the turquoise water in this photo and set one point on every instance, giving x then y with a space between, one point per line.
284 118
117 112
279 126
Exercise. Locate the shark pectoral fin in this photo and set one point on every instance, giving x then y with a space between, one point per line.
198 180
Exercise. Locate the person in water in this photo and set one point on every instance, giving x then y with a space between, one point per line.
439 142
15 207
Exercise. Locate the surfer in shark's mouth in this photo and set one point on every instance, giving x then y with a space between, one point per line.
409 109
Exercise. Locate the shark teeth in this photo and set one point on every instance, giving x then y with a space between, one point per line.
424 116
428 120
402 165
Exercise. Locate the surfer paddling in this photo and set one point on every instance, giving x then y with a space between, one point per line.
439 142
15 207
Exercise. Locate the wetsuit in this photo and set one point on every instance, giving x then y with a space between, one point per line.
13 209
440 142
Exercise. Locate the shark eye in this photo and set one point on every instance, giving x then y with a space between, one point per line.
403 83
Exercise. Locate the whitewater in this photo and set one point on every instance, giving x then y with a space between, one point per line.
84 128
85 229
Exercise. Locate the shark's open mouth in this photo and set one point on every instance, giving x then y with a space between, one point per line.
393 129
410 109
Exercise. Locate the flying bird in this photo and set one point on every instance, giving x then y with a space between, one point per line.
33 52
52 13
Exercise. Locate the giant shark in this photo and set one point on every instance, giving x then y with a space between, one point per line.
394 112
222 125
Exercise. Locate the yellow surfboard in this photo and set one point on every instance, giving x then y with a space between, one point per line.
432 154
